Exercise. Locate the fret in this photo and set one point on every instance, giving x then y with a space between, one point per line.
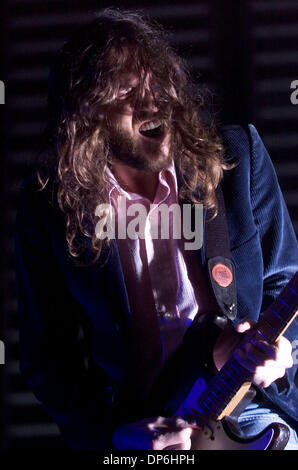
218 387
221 393
235 367
215 411
243 374
205 398
275 313
261 334
289 300
204 404
226 391
273 321
217 397
280 313
211 401
292 290
285 303
211 409
234 380
291 295
230 377
223 380
266 328
283 311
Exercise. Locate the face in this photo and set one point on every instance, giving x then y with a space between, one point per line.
139 135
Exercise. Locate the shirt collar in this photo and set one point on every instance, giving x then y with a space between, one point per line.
115 186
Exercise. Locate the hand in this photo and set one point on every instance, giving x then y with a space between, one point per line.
267 362
153 434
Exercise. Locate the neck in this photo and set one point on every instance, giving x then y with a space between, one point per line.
136 181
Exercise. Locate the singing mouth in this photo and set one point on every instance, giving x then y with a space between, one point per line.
152 129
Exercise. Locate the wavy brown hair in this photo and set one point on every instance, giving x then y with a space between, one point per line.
84 83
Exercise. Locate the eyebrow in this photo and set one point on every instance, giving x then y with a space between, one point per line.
129 81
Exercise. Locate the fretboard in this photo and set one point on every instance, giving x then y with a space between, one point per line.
223 387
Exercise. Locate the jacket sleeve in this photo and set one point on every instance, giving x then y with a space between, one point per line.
278 240
52 361
279 251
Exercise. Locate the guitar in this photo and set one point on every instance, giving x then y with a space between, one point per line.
209 404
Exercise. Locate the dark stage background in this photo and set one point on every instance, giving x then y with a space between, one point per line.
245 51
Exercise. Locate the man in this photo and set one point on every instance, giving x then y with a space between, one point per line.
124 121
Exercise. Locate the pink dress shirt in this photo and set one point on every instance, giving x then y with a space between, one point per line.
164 283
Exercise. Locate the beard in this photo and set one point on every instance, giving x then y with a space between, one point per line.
140 153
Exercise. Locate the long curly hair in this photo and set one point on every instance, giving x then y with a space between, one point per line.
84 83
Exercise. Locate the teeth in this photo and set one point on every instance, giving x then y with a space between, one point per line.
148 126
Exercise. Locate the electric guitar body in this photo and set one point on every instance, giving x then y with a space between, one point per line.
273 437
225 434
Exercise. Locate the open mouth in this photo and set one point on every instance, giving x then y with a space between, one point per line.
152 129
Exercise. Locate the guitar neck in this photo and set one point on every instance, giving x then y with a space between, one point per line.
226 389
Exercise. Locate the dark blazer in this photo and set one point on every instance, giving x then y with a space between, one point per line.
79 380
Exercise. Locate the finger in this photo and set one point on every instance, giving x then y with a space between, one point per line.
280 352
264 377
159 421
269 350
244 325
284 351
164 423
171 439
242 359
183 446
173 424
253 359
259 351
178 422
249 353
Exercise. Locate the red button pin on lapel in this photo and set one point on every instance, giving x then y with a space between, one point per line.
222 275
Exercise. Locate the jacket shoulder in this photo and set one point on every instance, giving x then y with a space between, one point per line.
237 141
244 146
235 131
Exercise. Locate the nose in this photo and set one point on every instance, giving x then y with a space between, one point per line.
148 102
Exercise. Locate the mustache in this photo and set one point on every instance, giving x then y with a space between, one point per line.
142 116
